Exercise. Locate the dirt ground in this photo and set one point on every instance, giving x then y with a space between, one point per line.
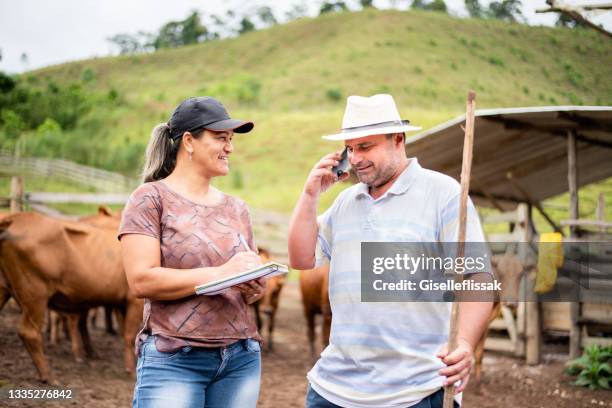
101 382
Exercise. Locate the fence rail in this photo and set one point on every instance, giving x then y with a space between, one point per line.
101 180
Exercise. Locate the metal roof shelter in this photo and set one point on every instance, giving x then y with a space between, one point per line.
521 154
527 155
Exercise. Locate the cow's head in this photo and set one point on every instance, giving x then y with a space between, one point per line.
509 270
269 302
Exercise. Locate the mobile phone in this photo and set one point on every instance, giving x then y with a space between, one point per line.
343 164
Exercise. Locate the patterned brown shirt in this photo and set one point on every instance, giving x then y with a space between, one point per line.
192 235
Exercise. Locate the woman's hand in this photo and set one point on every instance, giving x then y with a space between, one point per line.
252 290
241 262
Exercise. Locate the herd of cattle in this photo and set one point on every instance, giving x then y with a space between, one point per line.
60 272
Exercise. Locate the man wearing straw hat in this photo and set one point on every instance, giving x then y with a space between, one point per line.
382 354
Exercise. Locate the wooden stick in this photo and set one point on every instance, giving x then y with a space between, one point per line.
575 13
466 169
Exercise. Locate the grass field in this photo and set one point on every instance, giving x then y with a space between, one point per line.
292 80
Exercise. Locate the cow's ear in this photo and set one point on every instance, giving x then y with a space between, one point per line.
75 227
104 210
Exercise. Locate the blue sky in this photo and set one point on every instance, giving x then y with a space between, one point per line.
52 32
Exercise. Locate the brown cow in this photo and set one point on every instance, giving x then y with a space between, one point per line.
268 304
315 300
75 324
106 218
508 270
69 266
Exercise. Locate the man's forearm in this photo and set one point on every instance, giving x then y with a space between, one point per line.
473 318
303 230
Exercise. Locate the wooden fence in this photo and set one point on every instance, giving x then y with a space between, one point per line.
101 180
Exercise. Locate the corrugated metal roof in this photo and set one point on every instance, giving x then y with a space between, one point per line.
521 151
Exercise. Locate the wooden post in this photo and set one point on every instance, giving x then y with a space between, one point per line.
16 194
601 211
466 169
523 221
572 181
533 332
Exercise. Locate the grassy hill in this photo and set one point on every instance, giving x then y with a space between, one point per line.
293 79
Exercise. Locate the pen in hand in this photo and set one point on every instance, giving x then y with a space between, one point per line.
243 242
247 249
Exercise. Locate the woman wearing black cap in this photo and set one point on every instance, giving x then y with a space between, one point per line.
178 231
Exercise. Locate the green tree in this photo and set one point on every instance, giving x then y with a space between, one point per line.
219 27
193 31
245 26
127 43
332 7
179 33
435 5
12 124
7 83
298 10
508 10
266 16
474 8
366 3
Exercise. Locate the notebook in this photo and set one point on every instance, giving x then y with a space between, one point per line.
219 286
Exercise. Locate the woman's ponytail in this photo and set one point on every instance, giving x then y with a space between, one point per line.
160 157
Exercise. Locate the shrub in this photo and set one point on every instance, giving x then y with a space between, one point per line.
592 368
248 91
493 60
573 76
88 75
12 123
113 95
333 94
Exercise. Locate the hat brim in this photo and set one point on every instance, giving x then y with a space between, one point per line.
238 126
369 132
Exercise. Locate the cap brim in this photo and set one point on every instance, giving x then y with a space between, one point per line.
238 126
369 132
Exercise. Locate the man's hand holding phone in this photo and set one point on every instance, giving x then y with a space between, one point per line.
321 177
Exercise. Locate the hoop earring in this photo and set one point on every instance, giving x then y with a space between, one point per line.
190 153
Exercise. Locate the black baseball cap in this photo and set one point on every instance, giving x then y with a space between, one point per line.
204 112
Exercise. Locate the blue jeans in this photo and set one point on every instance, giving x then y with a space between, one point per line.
198 377
435 400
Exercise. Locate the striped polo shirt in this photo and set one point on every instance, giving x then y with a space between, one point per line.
382 354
